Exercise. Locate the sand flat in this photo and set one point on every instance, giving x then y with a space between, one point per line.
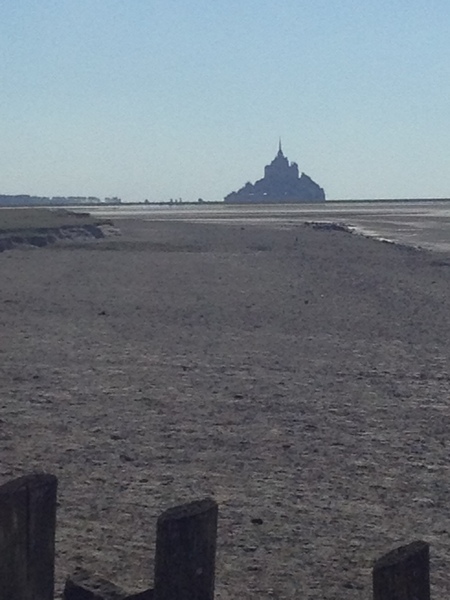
298 376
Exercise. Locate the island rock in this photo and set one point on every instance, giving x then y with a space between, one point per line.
281 184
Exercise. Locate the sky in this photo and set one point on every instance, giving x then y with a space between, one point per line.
160 99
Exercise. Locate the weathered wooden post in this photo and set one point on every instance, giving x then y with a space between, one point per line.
27 538
186 552
83 585
403 574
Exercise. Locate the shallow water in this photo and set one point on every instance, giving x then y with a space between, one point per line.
425 224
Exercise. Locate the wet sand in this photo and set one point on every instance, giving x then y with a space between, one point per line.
298 376
424 223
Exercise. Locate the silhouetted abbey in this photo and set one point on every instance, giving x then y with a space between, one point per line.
280 184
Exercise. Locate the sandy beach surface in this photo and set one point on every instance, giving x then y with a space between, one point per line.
300 377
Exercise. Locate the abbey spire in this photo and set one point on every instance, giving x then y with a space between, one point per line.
280 149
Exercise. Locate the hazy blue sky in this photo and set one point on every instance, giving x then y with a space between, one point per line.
187 98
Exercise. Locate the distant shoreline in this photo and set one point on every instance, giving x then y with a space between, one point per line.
222 203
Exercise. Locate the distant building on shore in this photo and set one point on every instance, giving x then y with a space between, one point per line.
280 184
26 200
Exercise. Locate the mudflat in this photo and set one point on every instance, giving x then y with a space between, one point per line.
300 377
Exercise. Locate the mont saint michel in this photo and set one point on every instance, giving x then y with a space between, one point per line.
280 184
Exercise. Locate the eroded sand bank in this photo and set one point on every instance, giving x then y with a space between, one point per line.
296 375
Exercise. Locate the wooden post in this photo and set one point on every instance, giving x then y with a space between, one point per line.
27 538
146 595
83 585
403 574
186 552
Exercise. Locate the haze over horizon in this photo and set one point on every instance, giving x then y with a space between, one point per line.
168 99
